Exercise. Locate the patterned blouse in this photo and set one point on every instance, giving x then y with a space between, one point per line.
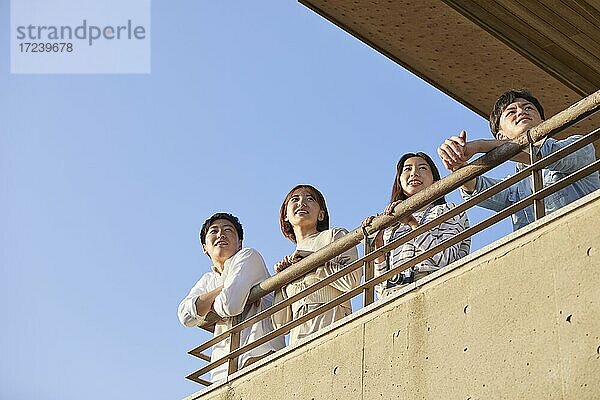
421 244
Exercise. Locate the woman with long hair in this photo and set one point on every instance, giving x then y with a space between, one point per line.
304 220
414 173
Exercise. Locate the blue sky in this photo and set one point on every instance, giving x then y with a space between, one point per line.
106 179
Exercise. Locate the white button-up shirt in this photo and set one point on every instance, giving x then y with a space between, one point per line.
242 271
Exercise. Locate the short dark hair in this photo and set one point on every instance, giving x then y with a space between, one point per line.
286 228
221 215
398 193
507 99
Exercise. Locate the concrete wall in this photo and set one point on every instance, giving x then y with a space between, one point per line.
520 319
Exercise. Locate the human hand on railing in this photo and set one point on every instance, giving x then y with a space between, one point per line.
456 151
379 237
389 209
291 259
408 220
282 264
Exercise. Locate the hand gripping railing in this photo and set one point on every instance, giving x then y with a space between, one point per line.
568 117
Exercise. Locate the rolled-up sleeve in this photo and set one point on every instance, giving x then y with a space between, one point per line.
247 268
186 312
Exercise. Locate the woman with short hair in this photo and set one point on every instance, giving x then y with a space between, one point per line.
304 220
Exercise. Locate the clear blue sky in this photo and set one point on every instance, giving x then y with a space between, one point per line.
106 179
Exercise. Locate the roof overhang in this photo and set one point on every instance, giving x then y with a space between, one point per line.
475 50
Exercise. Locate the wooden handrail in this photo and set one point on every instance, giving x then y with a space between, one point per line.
575 113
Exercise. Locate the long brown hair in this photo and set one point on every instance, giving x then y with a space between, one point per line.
286 227
397 192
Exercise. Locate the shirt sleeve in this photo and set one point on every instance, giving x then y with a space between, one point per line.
571 162
350 280
186 312
439 234
247 268
497 202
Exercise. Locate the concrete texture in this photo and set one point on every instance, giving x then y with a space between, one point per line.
519 321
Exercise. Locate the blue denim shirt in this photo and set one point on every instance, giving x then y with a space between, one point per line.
551 174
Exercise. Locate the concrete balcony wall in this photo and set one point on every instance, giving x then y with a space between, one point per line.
518 319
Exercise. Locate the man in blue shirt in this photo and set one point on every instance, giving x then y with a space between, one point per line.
514 113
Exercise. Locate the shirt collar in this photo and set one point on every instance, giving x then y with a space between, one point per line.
537 149
225 265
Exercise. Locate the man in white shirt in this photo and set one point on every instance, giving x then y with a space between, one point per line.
225 289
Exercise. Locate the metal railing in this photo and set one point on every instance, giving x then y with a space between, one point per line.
550 127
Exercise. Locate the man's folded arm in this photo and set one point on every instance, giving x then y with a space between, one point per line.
197 304
247 269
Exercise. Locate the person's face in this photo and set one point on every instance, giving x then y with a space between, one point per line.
518 117
221 241
303 209
415 176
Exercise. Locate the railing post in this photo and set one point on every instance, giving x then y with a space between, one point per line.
535 170
548 128
234 344
369 295
537 182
